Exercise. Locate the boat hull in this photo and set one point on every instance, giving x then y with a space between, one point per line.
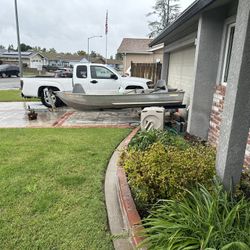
82 101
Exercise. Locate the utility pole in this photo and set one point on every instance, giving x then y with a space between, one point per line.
18 41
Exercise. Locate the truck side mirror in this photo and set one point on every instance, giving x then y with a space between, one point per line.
114 76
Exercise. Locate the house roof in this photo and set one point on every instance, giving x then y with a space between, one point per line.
62 56
24 54
134 45
186 15
2 51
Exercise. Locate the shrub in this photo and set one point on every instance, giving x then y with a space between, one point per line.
145 139
245 183
201 220
162 172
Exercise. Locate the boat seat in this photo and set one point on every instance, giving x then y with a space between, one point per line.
78 89
161 84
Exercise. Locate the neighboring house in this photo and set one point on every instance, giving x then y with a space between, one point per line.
32 59
2 51
63 60
117 64
137 50
203 55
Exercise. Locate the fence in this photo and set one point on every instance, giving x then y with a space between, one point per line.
147 70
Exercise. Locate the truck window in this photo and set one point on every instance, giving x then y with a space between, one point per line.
99 72
81 71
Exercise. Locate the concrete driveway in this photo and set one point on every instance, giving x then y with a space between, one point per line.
14 115
10 83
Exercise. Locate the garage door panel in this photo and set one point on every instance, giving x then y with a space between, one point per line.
181 71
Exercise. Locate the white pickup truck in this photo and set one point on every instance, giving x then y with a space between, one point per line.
93 78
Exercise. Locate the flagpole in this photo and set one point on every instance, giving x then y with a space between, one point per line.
106 33
106 48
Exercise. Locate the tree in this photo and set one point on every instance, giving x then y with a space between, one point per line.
11 47
25 47
1 46
37 48
52 50
166 12
81 53
93 54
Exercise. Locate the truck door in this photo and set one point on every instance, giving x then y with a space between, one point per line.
103 79
82 77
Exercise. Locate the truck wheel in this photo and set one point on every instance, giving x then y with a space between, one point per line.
55 99
4 75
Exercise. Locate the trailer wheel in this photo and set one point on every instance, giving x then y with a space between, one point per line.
55 99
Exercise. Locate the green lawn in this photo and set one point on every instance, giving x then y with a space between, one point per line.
14 96
51 183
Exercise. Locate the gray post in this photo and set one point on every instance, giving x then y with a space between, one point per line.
236 114
207 53
18 41
88 50
88 46
165 66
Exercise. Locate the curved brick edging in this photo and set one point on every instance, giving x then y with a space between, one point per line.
129 211
127 205
62 119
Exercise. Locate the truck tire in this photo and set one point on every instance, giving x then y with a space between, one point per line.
55 99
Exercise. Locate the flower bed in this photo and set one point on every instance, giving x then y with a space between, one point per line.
164 171
162 165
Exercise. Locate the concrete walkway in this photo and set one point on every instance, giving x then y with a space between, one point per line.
14 115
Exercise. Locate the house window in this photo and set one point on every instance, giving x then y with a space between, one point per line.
228 52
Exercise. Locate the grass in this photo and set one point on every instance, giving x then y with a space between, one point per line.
14 96
51 183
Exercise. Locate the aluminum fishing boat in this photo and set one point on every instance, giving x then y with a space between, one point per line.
129 99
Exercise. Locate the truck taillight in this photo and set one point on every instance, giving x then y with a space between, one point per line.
21 84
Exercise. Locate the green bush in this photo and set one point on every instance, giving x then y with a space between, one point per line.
144 139
161 172
201 220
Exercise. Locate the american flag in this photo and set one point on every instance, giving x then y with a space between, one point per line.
106 24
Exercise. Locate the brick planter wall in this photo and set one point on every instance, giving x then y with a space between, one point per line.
215 121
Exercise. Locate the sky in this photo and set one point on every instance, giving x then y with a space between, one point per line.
66 24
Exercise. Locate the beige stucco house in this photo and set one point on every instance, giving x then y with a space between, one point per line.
137 50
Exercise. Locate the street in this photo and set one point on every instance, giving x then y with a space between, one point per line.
9 83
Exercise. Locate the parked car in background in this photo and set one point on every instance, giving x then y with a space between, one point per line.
7 70
64 73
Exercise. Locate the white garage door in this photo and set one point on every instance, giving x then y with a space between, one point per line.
181 71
